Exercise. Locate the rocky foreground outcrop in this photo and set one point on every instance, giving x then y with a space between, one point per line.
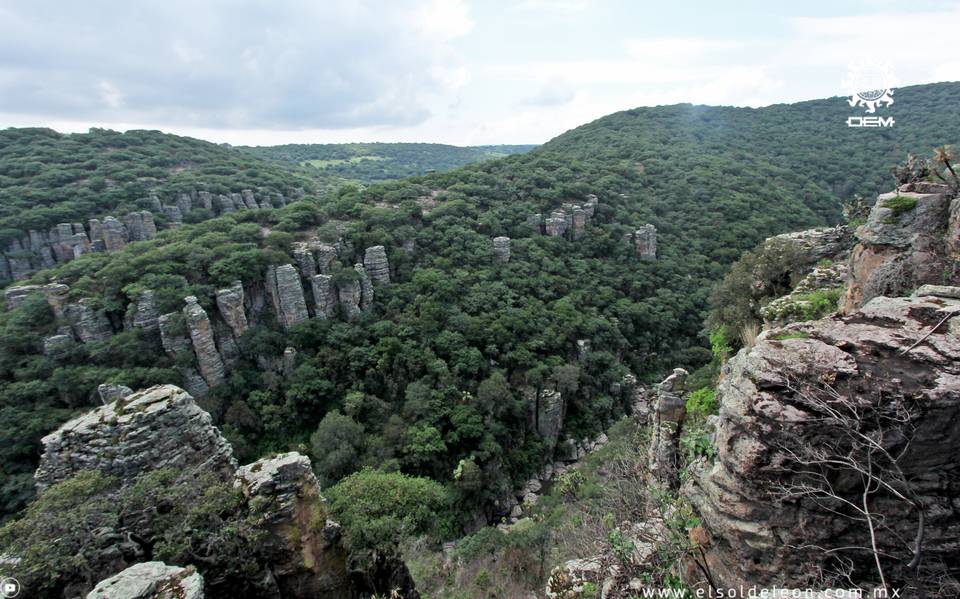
151 580
805 414
162 427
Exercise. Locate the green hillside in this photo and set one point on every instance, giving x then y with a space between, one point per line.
48 177
430 381
371 162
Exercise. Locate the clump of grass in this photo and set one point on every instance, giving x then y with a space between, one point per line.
900 205
791 335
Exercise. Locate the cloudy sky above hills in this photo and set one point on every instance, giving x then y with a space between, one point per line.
451 71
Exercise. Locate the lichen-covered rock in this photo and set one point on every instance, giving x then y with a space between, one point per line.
57 346
348 295
324 299
902 245
160 427
312 562
151 580
645 242
501 249
555 225
146 317
590 206
140 226
225 204
324 254
204 345
820 243
293 304
305 259
114 234
205 198
783 403
248 199
669 411
230 306
110 393
376 265
89 323
174 215
366 287
827 280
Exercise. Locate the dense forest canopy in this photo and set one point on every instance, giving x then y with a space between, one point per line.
369 162
432 381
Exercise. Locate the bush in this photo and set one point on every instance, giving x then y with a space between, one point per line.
703 402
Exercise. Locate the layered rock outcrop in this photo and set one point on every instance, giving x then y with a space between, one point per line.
886 379
230 306
289 293
545 412
151 580
209 360
324 297
366 287
904 244
376 265
159 427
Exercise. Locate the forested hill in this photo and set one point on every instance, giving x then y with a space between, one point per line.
370 162
48 177
438 373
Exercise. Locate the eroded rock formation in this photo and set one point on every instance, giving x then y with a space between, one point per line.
668 412
893 369
292 303
151 580
904 244
645 242
209 360
324 296
230 306
376 265
366 287
156 428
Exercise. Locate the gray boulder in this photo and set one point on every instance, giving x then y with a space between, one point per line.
151 580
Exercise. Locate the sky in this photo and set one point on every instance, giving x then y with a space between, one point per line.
464 72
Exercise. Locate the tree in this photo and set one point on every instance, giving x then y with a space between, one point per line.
336 446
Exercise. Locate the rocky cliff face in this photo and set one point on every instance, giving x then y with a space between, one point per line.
645 242
904 244
878 388
209 359
501 249
376 265
292 303
230 306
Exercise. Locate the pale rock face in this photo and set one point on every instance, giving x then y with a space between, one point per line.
645 242
114 234
89 324
556 224
174 215
900 248
110 393
501 249
348 295
293 304
205 198
305 259
323 295
324 254
579 222
230 306
159 427
151 580
547 412
225 204
248 199
375 262
146 316
204 345
817 244
366 288
871 359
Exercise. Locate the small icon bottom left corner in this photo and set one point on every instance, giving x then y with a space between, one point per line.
9 588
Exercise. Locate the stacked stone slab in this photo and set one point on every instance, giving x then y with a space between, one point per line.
209 360
501 249
89 324
669 412
556 224
293 304
303 254
324 298
146 316
376 265
230 306
366 287
348 296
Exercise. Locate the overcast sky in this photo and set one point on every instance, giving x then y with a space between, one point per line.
452 71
